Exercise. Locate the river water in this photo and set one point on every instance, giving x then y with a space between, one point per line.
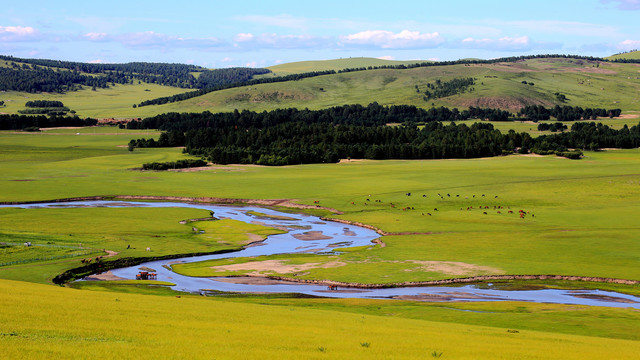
341 236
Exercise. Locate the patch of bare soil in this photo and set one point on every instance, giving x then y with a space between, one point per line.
253 280
61 128
106 276
343 161
604 298
312 235
209 168
510 67
278 266
450 296
455 268
503 102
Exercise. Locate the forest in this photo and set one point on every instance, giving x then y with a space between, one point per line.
565 113
19 122
291 136
41 75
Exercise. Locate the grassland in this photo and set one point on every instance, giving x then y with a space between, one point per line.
586 84
173 327
584 211
61 237
336 64
630 55
585 224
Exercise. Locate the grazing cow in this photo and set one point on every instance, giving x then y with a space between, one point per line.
499 212
424 195
368 199
435 209
429 214
148 249
510 212
484 212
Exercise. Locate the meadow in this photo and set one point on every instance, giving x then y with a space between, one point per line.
580 221
196 327
584 225
586 84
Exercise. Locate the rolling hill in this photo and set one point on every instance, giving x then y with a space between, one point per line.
505 85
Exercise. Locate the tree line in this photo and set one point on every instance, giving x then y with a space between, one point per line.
42 75
192 94
179 164
291 136
566 113
19 122
373 114
441 89
44 103
229 85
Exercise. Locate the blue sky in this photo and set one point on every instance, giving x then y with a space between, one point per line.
262 33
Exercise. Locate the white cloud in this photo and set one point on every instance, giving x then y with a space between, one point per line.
624 4
248 41
226 59
629 45
150 39
506 43
18 33
386 57
251 64
388 40
93 36
97 61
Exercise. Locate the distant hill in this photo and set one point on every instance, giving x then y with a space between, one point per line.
632 55
507 84
336 64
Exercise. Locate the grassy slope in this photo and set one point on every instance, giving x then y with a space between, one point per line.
582 83
584 210
629 55
116 101
608 86
68 323
336 64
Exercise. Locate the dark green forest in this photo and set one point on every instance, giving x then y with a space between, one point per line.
291 136
41 75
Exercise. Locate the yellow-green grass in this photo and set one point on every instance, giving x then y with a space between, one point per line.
68 323
233 232
585 213
586 84
116 101
630 119
634 55
335 64
63 236
558 318
584 210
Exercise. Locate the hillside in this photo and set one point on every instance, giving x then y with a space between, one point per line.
508 85
595 84
633 55
336 64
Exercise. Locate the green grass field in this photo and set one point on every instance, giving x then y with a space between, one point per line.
629 55
127 325
586 84
584 211
336 64
585 224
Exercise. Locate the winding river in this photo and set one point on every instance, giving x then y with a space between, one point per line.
338 236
